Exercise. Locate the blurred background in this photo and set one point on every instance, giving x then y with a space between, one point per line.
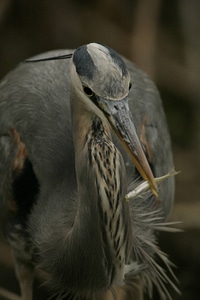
163 38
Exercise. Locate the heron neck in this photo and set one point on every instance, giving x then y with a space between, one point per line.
102 210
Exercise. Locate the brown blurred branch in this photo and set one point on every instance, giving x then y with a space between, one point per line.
8 295
4 6
143 41
189 11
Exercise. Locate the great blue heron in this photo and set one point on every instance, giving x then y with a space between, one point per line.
64 175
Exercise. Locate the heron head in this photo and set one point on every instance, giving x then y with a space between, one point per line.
101 82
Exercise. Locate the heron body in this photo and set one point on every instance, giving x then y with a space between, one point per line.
64 173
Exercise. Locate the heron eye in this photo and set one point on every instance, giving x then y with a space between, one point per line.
88 91
130 86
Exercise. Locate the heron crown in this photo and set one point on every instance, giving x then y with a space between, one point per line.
102 70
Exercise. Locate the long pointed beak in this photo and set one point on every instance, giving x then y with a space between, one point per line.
120 118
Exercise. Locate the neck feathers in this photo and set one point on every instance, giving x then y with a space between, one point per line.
109 178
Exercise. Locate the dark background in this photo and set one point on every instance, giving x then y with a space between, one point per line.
163 38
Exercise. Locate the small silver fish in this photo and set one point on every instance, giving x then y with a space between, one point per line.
145 186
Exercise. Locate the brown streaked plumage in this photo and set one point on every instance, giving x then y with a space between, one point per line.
76 126
105 158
